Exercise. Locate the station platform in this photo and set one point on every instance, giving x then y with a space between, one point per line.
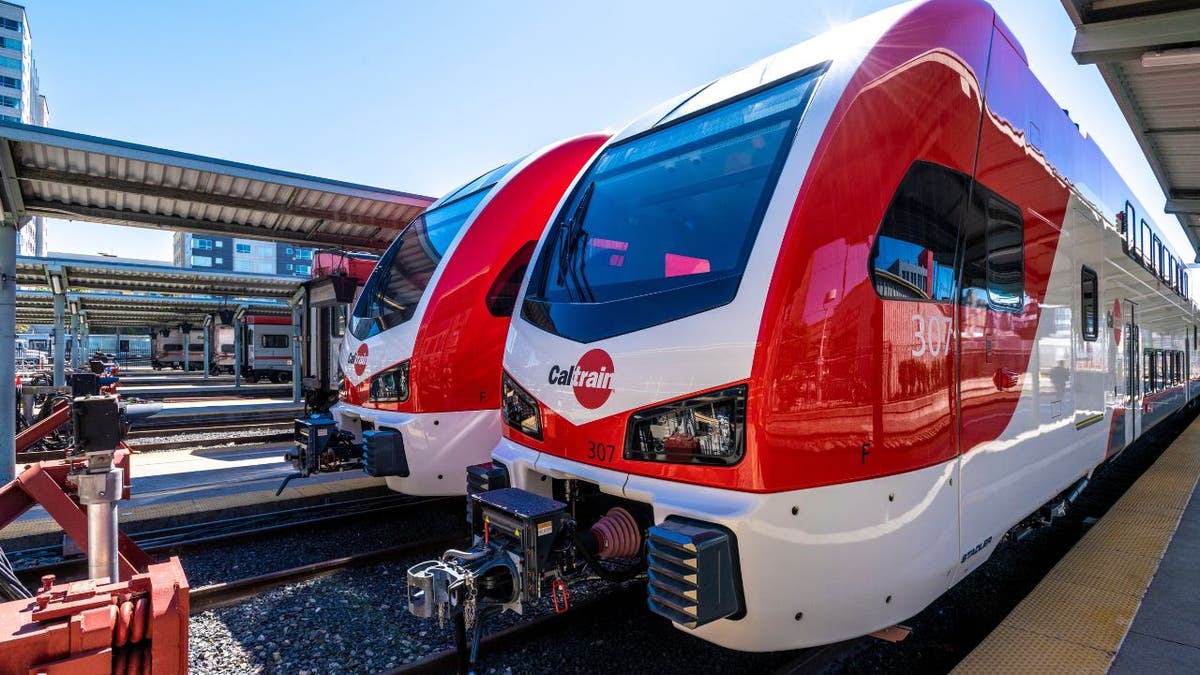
173 377
1126 598
246 405
186 485
200 390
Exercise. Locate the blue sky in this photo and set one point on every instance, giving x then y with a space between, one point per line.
421 96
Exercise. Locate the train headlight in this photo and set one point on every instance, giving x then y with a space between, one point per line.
390 386
519 410
705 429
343 388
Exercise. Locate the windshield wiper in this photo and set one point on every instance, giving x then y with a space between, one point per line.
572 234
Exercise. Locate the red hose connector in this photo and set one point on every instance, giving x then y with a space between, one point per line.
618 533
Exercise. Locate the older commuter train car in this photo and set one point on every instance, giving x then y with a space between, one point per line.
805 343
422 350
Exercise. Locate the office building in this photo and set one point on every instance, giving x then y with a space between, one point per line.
21 101
233 254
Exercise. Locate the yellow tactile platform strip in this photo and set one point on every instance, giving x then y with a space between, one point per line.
36 526
1077 617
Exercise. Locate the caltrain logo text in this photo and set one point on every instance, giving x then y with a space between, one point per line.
591 378
360 359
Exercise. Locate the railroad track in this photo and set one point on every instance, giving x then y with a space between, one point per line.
161 422
141 431
180 539
267 433
540 627
215 596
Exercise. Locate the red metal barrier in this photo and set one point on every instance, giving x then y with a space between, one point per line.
47 484
134 626
60 415
84 628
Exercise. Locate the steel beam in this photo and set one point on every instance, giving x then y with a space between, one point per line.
1189 206
1128 39
60 310
8 344
207 330
296 358
206 198
379 240
237 351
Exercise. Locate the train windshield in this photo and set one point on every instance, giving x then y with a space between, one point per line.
392 292
661 225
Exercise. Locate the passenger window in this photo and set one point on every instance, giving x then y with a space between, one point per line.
1148 372
337 320
1129 229
1090 302
913 256
1147 245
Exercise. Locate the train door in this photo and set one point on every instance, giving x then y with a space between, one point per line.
323 338
1133 372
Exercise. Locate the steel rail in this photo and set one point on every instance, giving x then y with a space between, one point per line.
224 594
447 660
159 541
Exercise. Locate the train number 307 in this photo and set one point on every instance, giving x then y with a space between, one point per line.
931 335
604 452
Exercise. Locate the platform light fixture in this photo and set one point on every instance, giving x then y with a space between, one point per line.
74 306
1171 57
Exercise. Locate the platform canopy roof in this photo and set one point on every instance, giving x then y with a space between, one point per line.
59 174
129 310
94 273
1149 54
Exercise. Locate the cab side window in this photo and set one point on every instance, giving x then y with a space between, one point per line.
913 257
994 254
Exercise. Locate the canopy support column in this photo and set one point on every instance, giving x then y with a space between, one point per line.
60 342
296 309
8 348
237 350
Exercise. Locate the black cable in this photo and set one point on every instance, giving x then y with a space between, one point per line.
10 586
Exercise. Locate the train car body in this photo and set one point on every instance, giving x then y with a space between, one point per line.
858 309
267 348
167 351
222 349
422 352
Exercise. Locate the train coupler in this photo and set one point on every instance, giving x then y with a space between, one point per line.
523 542
320 447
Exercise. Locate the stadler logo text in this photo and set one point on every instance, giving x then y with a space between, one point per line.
590 379
360 359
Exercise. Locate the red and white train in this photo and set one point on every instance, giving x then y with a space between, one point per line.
823 331
421 356
266 348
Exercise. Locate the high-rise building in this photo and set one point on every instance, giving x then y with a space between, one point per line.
232 254
21 101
